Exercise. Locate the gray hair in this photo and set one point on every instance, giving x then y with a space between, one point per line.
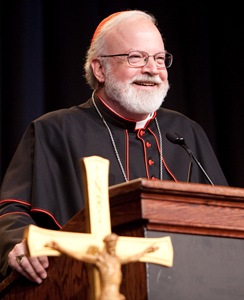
98 42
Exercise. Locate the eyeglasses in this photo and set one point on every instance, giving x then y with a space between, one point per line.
140 58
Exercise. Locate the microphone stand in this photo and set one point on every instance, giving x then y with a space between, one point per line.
177 139
192 156
189 169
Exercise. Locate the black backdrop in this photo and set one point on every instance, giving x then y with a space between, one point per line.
43 44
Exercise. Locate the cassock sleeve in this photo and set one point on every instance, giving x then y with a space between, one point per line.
42 183
15 197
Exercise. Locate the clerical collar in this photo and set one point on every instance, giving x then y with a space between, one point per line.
141 124
110 115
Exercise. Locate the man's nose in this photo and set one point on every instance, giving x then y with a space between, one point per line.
150 66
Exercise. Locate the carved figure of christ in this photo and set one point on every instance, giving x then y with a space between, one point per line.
88 247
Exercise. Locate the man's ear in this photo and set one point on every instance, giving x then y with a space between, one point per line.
98 70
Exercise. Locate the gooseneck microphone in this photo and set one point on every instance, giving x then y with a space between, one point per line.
177 139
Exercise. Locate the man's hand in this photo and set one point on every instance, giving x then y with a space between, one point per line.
33 268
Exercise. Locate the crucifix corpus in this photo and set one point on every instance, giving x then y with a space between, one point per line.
103 251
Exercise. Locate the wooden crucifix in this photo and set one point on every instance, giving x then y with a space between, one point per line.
94 246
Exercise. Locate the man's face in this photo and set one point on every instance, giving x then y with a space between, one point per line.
134 89
111 247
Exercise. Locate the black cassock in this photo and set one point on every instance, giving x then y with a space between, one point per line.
42 185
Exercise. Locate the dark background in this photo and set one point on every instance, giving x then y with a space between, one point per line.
43 45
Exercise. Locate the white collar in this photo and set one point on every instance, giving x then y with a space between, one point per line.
142 123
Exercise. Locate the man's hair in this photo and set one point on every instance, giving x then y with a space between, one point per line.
98 44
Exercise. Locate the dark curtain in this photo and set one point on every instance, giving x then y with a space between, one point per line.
43 45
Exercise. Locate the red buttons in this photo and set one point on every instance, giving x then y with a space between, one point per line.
142 132
148 145
150 162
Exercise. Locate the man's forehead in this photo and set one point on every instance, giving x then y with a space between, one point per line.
134 36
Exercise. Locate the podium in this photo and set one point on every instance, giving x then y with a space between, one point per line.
205 223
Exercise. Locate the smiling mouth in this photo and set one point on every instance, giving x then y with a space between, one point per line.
145 83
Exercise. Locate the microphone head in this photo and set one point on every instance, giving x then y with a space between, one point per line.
175 138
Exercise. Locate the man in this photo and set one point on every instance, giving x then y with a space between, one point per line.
126 66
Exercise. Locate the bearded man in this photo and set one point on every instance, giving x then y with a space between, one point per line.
127 69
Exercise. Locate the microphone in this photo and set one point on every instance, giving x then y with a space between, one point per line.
176 138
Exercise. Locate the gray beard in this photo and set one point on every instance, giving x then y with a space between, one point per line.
135 100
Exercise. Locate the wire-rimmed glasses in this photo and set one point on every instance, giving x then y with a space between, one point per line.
140 58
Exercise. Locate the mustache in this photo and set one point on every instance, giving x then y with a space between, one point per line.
147 78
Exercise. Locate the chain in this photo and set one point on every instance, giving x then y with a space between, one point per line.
114 145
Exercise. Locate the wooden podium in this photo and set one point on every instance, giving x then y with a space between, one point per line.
206 225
